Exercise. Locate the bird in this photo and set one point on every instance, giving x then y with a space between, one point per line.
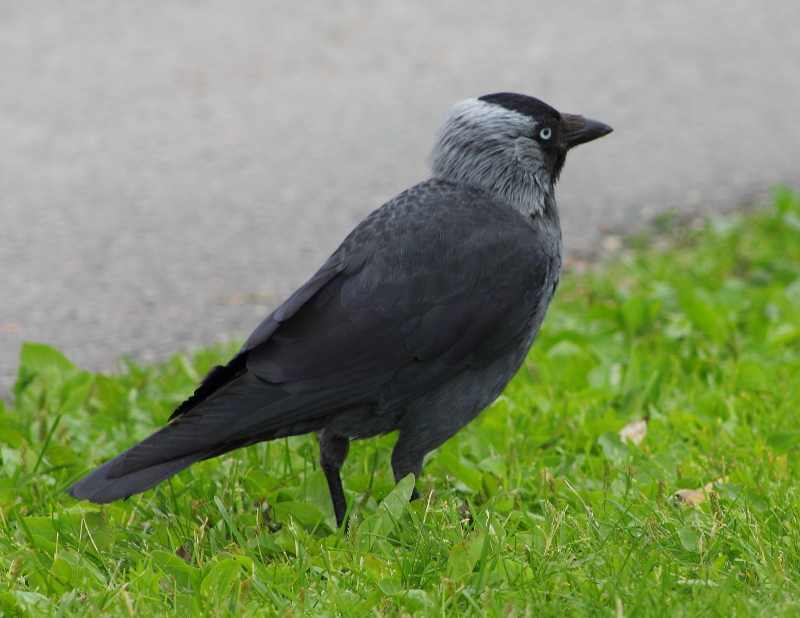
415 324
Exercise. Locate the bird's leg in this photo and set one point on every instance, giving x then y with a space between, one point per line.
333 451
407 457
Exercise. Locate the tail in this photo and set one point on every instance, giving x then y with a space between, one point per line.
229 419
245 411
101 487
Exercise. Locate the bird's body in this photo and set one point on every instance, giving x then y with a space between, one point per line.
415 324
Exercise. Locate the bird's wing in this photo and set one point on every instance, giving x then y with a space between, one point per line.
441 279
221 375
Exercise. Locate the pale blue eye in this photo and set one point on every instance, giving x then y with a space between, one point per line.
546 133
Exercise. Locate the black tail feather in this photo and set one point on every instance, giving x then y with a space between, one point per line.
245 411
97 487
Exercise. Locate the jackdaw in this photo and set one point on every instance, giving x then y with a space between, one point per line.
415 324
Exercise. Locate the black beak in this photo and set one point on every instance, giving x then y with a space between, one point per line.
579 130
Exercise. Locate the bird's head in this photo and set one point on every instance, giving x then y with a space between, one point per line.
510 145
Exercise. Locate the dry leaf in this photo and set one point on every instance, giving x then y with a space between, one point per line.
548 478
635 431
693 496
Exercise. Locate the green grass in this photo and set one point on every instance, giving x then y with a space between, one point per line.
537 508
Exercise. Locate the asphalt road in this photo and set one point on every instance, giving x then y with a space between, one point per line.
171 169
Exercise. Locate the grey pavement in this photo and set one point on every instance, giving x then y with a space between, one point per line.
171 169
